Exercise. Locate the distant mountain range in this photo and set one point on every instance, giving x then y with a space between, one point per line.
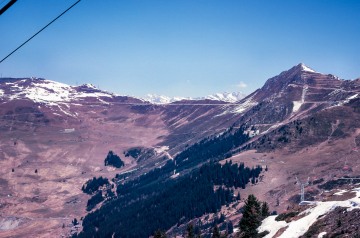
51 92
225 97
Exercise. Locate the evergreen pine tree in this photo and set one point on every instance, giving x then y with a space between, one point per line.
230 227
75 222
251 217
114 160
190 231
159 234
216 232
264 210
222 218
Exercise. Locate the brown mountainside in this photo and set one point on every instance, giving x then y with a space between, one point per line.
304 124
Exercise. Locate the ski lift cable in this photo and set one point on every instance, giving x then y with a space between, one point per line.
7 6
39 31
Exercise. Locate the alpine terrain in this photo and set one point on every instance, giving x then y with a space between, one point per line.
78 161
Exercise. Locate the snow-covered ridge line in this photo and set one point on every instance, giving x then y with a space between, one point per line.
49 92
53 93
225 97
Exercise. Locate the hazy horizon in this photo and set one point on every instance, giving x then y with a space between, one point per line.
179 48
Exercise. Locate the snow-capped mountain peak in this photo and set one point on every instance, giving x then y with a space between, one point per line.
225 97
47 91
161 99
306 68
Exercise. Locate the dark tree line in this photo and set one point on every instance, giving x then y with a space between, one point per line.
114 160
229 174
144 206
92 185
215 148
94 200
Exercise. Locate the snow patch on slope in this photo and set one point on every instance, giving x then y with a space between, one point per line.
352 97
244 106
347 100
50 92
298 227
298 104
9 223
269 224
161 149
321 235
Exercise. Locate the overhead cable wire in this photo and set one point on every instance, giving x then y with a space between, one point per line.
7 6
39 31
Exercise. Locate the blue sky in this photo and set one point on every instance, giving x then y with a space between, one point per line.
179 47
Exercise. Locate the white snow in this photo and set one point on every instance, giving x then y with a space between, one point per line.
65 112
69 130
352 97
225 97
92 94
341 192
298 104
347 100
50 92
269 224
89 85
160 99
321 235
175 175
1 92
161 149
271 128
299 227
306 68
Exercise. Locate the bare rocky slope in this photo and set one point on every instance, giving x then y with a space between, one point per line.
54 137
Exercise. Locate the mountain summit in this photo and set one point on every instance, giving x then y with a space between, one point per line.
290 83
303 68
297 74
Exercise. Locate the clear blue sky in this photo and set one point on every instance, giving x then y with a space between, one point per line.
180 47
